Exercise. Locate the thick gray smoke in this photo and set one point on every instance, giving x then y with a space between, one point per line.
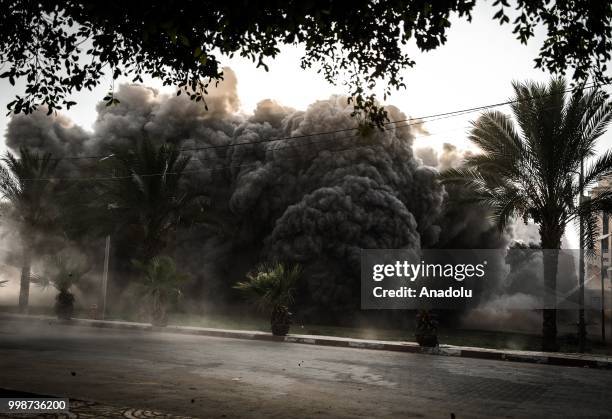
462 225
56 134
314 199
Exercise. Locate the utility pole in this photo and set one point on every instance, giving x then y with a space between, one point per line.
106 256
581 322
603 306
105 276
604 219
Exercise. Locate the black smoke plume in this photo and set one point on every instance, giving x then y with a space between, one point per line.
314 199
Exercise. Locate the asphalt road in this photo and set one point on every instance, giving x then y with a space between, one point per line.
214 377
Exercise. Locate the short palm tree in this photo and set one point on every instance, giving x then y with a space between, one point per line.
161 282
528 168
25 183
64 273
426 332
148 195
271 288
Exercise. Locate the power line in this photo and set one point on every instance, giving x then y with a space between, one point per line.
215 169
287 146
227 167
496 105
408 122
212 169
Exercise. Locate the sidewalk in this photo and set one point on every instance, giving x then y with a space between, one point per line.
563 359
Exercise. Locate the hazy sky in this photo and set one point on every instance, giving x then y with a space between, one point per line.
475 67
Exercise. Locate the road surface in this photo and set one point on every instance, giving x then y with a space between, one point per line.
214 377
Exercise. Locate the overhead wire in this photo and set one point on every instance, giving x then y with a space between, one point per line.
408 122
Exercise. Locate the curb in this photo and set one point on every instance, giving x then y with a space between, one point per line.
558 359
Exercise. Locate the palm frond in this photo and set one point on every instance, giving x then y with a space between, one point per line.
505 205
595 118
41 280
494 133
63 271
270 285
601 202
469 177
599 169
160 275
25 182
153 198
590 232
531 171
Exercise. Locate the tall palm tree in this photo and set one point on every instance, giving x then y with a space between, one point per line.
529 168
25 183
148 195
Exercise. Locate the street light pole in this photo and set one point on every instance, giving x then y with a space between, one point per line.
609 273
581 322
106 257
603 307
105 275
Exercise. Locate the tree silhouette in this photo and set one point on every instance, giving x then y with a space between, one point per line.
147 196
528 169
25 183
43 42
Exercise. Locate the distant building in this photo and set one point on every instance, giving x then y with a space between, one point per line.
603 224
603 255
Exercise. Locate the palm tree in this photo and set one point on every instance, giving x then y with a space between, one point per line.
147 195
25 183
271 288
528 168
161 282
65 273
426 332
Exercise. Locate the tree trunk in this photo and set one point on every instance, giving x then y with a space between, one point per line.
426 333
550 234
280 320
24 289
549 314
64 305
159 315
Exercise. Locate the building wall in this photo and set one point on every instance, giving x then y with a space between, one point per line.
603 248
